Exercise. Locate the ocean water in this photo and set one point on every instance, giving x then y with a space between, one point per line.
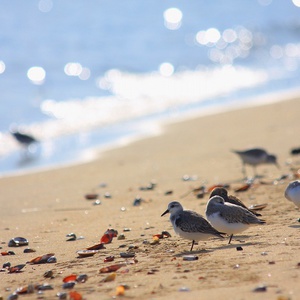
81 76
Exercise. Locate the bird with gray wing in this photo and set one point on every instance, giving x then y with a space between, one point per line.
189 224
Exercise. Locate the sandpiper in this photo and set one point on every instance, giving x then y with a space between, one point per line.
189 224
229 218
219 191
292 192
255 157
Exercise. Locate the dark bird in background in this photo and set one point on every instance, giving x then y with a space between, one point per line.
231 199
24 139
255 157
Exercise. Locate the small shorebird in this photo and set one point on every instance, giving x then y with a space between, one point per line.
189 224
255 157
219 191
229 218
24 139
292 192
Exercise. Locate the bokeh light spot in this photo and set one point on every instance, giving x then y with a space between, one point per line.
45 5
37 75
296 2
73 69
172 18
2 66
166 69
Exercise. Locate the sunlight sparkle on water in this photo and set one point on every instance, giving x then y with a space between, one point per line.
76 69
37 75
166 69
209 37
172 18
45 5
296 2
2 66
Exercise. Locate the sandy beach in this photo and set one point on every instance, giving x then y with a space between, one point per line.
44 207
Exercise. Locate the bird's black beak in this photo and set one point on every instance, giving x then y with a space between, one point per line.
165 212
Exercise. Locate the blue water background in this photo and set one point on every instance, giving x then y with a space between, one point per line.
122 44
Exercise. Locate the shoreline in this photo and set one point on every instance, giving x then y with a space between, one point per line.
159 129
44 207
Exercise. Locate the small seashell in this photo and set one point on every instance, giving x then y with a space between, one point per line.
189 178
111 268
120 290
258 206
137 201
96 247
69 278
71 237
110 277
165 234
82 278
121 237
149 187
41 259
6 265
29 250
184 289
86 253
295 151
109 258
127 254
75 295
62 295
17 242
97 202
16 269
108 236
243 188
48 274
91 196
13 296
107 195
44 287
7 253
126 229
200 195
29 289
170 192
260 288
190 257
51 260
155 240
68 285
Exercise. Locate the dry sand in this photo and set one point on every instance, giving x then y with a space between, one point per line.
44 207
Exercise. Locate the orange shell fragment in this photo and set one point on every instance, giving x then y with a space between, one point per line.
111 268
69 278
41 259
75 295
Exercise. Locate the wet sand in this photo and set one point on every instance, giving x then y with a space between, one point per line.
44 207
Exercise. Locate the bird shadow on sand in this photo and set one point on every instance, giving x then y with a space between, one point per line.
294 226
194 252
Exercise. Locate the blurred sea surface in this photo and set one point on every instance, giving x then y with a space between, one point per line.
81 76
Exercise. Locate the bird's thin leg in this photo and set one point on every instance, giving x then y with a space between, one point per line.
193 242
254 170
230 239
244 171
